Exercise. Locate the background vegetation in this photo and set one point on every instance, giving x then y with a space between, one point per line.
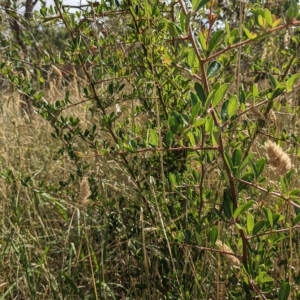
150 150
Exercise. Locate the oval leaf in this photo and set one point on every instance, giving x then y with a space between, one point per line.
284 291
213 235
213 69
250 223
243 208
232 106
220 93
153 138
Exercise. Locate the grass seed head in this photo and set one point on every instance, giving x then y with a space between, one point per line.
230 258
278 159
84 192
272 116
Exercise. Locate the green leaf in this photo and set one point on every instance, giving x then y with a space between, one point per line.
270 216
182 19
243 208
50 19
224 110
228 160
237 158
261 22
191 138
272 80
73 285
249 34
62 210
284 291
246 161
268 17
191 58
250 223
200 92
290 82
260 164
254 91
267 279
213 69
242 96
220 93
195 4
276 23
292 12
172 179
213 234
259 226
175 122
296 220
276 93
202 41
174 29
232 106
187 21
199 122
153 138
194 99
213 42
195 106
216 135
201 4
254 168
294 193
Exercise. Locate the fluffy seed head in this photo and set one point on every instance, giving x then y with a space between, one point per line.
278 159
231 258
272 117
85 192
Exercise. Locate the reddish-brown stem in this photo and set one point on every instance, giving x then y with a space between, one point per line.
211 250
157 149
275 194
273 231
240 44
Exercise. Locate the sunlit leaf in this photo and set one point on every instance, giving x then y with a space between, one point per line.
202 41
276 23
216 135
153 138
249 35
250 223
220 93
191 138
213 235
291 81
261 21
268 17
232 106
241 209
191 58
199 122
201 4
